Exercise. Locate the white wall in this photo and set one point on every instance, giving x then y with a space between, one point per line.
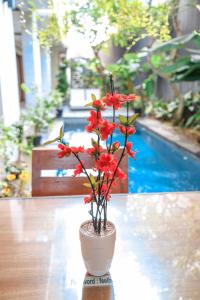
31 60
36 62
55 52
9 96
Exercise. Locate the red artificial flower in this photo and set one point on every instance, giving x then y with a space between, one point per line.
94 150
113 100
98 104
122 128
78 170
77 149
106 129
128 149
106 163
104 188
115 146
104 192
88 199
120 174
65 150
94 121
130 130
128 98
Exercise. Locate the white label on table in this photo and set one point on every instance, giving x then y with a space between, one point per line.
97 281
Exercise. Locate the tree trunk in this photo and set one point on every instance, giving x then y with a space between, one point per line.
180 110
101 70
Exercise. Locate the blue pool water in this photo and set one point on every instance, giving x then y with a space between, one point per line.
159 166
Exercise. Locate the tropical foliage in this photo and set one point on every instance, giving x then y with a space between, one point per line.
167 110
15 182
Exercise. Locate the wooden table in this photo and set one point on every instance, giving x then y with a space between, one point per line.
157 253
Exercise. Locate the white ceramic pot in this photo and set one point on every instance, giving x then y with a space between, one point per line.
97 250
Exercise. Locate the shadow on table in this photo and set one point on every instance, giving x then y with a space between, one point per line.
98 287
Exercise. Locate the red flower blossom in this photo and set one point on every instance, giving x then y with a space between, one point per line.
106 163
88 199
78 170
115 146
128 98
128 149
106 129
65 150
104 192
120 174
130 130
77 149
113 100
94 121
122 128
94 150
98 104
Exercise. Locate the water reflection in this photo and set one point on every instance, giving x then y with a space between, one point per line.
97 288
170 226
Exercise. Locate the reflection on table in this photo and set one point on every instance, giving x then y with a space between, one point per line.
156 257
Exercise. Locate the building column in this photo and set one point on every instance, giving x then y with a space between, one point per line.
55 61
9 96
46 72
31 60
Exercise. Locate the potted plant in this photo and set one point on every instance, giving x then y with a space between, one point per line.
15 183
13 174
62 83
138 106
56 98
38 118
97 235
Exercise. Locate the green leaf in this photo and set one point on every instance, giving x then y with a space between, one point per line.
93 97
190 121
130 56
123 120
192 73
132 119
155 60
24 88
87 184
88 104
196 39
148 86
93 181
178 65
113 68
61 132
94 143
178 43
51 141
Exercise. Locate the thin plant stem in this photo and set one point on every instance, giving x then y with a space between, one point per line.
99 173
112 90
104 199
86 173
93 190
125 141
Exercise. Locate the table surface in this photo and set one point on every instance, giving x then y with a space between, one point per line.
157 253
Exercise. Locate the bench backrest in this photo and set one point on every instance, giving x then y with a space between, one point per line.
46 159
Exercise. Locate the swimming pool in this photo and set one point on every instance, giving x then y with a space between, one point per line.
160 166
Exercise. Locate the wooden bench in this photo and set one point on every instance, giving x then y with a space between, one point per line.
46 159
